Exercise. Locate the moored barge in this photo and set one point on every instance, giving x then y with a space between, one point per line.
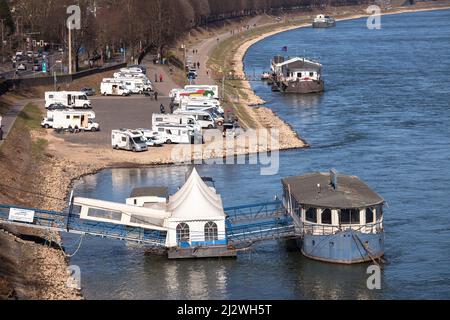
338 218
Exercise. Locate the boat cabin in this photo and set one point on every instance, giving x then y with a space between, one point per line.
298 69
328 203
339 218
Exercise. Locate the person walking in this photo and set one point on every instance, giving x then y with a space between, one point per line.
161 78
198 65
156 95
172 107
1 133
162 109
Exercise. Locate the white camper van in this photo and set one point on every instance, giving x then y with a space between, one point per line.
136 85
200 103
181 134
204 118
71 99
71 120
113 87
180 119
129 140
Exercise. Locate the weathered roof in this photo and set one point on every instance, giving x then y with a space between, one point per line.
351 192
300 64
160 192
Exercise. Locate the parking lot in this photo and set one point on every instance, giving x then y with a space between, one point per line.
116 113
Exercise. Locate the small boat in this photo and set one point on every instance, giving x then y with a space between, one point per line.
322 21
266 76
338 217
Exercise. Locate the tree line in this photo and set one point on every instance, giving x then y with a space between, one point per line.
137 25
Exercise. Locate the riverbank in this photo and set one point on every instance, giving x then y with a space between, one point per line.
60 164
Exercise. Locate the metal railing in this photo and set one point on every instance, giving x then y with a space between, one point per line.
326 229
254 212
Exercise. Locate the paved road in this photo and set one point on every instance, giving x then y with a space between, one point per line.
116 113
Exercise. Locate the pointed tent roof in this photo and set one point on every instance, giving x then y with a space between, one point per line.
195 200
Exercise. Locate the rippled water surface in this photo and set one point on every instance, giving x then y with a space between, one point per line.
384 117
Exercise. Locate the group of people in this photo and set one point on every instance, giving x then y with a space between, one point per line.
161 79
162 108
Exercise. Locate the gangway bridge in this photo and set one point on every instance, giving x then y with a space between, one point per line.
245 225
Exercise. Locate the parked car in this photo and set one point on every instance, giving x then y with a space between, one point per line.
88 91
57 106
22 67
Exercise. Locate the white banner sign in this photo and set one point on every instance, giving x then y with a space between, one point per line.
21 215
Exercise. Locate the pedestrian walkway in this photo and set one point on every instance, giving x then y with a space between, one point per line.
10 117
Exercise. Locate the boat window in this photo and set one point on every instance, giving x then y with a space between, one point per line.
299 75
211 232
141 220
76 210
326 217
311 215
379 213
350 216
370 215
105 214
183 233
311 74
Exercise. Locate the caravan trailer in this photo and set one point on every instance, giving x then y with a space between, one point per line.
130 140
71 99
113 87
70 120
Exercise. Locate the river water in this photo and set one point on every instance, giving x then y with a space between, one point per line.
384 117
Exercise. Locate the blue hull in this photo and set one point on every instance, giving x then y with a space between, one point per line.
348 247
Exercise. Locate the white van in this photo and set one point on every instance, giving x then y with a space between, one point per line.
130 140
113 87
173 133
180 119
204 118
70 99
71 120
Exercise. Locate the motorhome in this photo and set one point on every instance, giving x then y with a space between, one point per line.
200 103
71 120
136 85
208 91
131 70
130 140
119 75
181 134
203 118
180 119
71 99
113 87
154 139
